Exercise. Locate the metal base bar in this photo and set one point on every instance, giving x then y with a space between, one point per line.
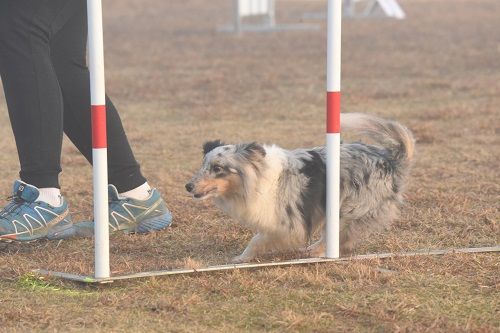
425 252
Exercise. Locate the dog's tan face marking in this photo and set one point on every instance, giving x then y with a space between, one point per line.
204 188
209 186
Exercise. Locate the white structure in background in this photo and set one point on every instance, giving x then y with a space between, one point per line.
366 8
261 14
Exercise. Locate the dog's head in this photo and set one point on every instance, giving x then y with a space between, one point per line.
224 169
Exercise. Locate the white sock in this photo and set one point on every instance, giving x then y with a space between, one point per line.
50 195
139 193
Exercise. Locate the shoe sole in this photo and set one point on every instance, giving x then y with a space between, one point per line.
86 229
53 233
14 239
156 223
61 232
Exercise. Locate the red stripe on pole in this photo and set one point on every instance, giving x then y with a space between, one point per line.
333 112
99 126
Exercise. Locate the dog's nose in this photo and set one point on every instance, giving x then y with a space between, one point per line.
189 187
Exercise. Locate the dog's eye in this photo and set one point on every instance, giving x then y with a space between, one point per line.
217 169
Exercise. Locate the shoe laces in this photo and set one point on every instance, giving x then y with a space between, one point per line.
13 207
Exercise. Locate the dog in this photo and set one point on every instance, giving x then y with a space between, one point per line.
281 194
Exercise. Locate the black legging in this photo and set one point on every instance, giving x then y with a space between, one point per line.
46 83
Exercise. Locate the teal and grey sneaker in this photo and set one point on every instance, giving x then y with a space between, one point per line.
131 215
24 219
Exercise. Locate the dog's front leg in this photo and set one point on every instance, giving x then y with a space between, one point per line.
258 244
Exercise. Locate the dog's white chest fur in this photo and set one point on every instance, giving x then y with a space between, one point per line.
259 212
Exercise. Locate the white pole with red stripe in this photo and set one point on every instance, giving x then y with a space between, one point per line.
99 141
333 129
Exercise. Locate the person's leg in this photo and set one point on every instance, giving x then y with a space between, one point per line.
68 53
35 109
31 88
134 206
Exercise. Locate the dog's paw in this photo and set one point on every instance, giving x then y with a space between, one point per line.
315 251
240 259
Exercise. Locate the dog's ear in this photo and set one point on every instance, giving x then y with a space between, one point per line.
252 150
211 145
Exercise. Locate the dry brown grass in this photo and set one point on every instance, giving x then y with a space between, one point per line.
178 83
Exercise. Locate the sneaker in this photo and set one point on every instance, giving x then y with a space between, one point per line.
131 215
24 219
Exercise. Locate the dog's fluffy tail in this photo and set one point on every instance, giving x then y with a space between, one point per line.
390 134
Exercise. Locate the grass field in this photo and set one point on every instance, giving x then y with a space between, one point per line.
177 83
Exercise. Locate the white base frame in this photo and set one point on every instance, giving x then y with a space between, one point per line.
425 252
268 22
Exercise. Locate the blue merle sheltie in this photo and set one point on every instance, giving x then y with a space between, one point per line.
281 194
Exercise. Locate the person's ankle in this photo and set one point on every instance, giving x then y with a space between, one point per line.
50 195
139 193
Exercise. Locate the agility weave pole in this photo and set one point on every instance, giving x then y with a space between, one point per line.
99 139
308 261
333 61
